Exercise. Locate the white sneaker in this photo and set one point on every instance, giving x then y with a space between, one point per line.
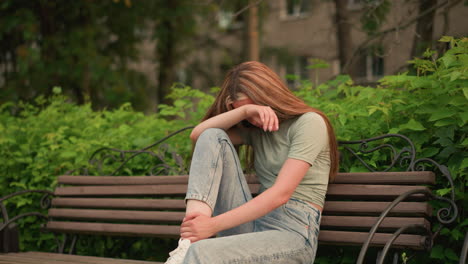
177 255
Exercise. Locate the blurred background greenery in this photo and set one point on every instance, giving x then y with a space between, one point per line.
76 76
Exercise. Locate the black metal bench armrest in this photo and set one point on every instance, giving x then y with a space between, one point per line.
45 203
442 213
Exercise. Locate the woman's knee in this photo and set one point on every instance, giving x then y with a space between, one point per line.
196 252
211 134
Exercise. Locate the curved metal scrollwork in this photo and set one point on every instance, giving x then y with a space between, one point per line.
159 157
395 202
382 216
405 155
397 233
45 204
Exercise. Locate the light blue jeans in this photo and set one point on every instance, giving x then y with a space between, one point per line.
288 234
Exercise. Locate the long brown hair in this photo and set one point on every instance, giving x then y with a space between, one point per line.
264 87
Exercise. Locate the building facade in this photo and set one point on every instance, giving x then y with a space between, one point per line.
296 34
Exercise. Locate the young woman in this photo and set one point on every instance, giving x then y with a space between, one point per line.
295 155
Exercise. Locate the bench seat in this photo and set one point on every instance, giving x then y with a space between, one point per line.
153 206
56 258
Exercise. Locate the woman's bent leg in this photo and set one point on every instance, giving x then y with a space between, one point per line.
216 176
287 235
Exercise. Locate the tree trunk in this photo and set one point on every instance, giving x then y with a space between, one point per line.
253 32
343 35
166 51
424 28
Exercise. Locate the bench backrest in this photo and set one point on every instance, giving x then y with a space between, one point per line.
154 206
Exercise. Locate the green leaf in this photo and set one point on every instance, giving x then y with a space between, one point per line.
67 154
455 75
456 234
57 90
429 152
465 92
450 254
449 60
412 125
463 116
445 122
465 222
458 101
437 252
18 184
465 142
445 231
464 163
446 152
372 109
442 192
442 114
342 119
446 39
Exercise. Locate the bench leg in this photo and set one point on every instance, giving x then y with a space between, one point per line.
61 244
9 239
379 255
464 251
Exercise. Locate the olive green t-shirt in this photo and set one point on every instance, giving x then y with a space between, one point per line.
304 138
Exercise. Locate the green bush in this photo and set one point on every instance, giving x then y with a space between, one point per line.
40 141
430 108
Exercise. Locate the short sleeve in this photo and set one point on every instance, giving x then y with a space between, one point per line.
308 137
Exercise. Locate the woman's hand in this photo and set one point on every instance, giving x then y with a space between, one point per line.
197 226
262 116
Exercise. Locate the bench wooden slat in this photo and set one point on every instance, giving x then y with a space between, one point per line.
399 178
116 215
18 258
374 191
134 190
132 180
344 190
119 203
369 221
121 190
407 208
379 239
325 236
122 180
411 177
334 207
138 216
43 257
114 229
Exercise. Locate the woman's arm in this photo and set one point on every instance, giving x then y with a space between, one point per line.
224 121
197 227
262 115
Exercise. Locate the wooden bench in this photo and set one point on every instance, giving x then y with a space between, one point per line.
153 206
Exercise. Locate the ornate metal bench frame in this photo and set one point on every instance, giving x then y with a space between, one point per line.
404 158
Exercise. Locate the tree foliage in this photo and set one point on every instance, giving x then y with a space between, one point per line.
87 48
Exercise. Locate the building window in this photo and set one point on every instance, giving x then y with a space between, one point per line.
297 8
370 65
226 19
358 4
296 70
